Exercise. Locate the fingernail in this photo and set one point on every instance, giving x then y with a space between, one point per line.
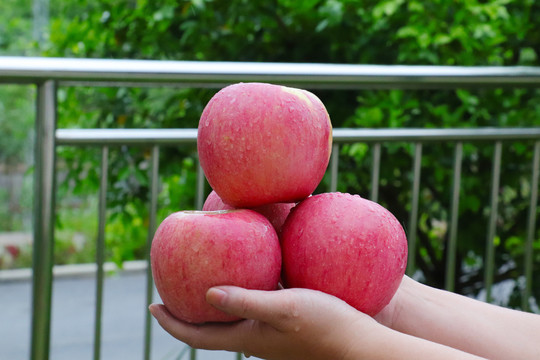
154 309
216 297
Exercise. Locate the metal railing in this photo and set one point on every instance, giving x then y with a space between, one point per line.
49 73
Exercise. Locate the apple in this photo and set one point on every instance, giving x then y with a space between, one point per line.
261 143
276 213
195 250
213 202
346 246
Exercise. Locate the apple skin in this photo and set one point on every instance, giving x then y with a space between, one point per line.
276 213
261 143
195 250
213 202
346 246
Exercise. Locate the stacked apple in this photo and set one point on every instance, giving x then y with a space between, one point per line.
264 150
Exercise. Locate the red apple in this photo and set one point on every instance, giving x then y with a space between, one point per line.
261 143
213 202
195 250
346 246
276 213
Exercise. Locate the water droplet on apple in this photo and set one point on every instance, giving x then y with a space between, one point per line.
196 247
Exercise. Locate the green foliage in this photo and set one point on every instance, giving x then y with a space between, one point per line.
16 136
16 28
75 236
440 32
16 123
387 32
16 115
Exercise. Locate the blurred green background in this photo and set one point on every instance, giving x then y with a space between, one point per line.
440 32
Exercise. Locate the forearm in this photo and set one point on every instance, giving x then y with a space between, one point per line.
388 344
466 324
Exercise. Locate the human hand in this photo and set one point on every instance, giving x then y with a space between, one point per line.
282 324
388 316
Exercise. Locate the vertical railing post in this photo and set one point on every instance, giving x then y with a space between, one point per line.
334 159
100 249
531 222
375 172
154 192
43 217
491 233
413 220
199 196
450 277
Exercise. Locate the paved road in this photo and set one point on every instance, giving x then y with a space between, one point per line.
73 321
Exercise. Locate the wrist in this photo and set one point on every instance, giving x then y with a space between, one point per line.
366 343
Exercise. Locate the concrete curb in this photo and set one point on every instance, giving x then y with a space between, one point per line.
75 270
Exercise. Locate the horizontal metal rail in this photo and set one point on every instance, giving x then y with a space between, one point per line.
205 73
125 136
179 136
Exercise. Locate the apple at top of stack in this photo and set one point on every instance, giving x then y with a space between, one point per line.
261 143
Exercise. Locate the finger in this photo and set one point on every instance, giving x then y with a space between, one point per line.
227 336
272 307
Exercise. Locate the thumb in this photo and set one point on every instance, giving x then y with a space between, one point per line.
266 306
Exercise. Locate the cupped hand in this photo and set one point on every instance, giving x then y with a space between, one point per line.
281 324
